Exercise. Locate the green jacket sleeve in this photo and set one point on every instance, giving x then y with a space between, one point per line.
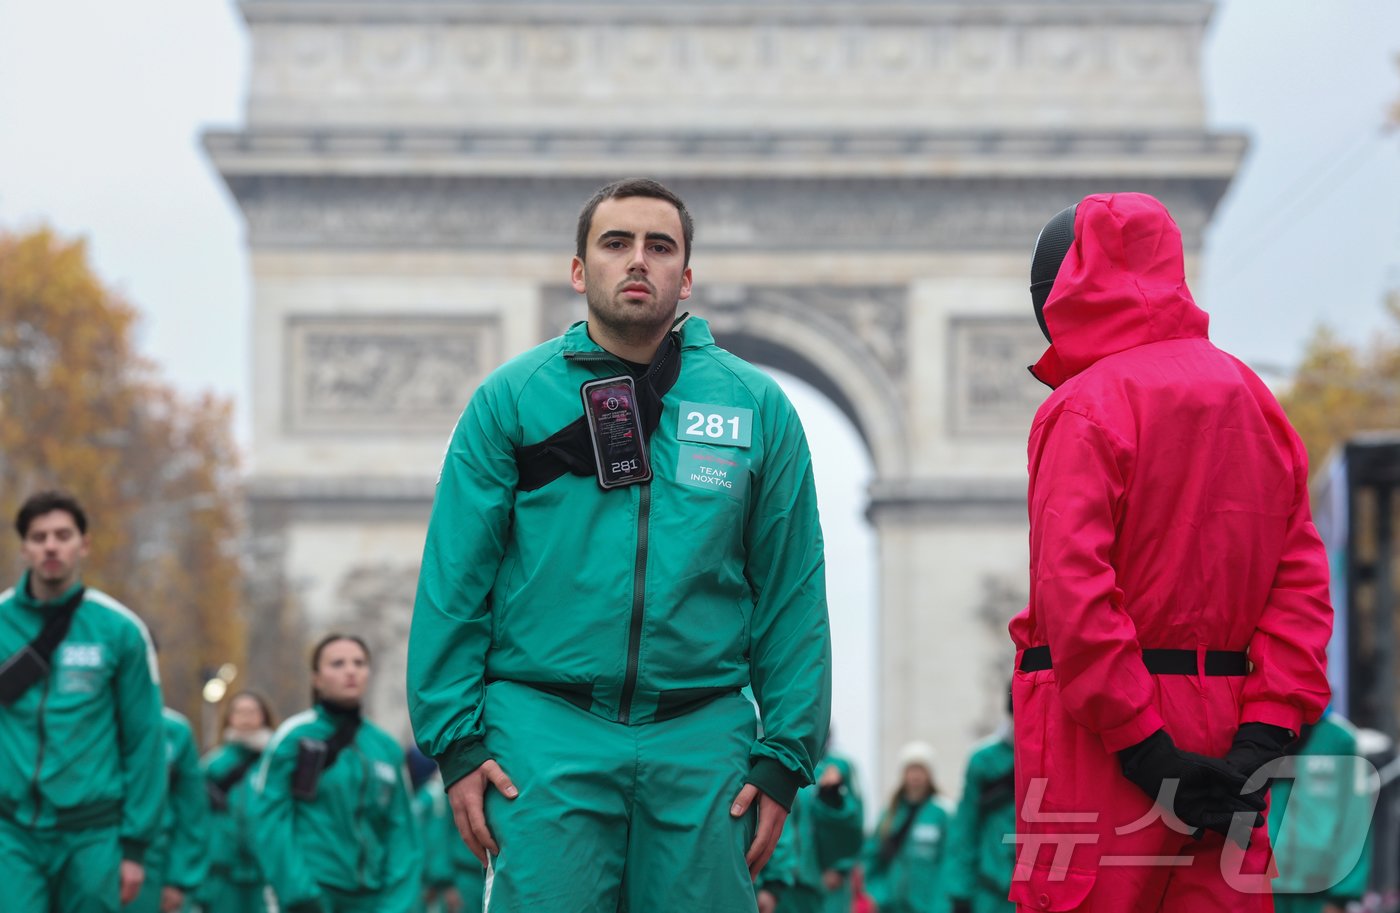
141 737
790 645
451 628
274 839
189 840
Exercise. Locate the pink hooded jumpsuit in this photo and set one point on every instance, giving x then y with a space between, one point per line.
1168 510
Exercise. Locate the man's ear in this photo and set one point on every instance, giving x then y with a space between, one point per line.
578 277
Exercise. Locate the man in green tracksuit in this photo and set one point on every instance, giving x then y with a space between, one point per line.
980 860
810 869
178 860
1320 814
606 567
82 773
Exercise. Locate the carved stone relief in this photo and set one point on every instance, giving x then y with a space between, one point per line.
992 392
385 373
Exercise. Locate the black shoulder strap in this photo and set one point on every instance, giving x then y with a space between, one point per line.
569 450
340 739
219 787
889 847
31 664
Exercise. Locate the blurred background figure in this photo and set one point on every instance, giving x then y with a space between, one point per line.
977 876
1320 820
453 879
177 862
332 825
235 883
904 856
810 871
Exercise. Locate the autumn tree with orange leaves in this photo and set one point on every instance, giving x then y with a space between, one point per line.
1342 390
81 410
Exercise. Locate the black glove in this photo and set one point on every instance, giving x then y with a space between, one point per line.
962 905
1208 791
1257 744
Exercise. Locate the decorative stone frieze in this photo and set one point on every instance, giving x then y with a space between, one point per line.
386 374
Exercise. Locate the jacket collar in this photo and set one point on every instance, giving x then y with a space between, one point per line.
25 600
695 334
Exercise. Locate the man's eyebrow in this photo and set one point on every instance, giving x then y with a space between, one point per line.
612 233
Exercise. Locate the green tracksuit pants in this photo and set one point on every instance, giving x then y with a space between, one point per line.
617 818
54 871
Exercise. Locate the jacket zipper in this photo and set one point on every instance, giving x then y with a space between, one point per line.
39 763
639 594
639 573
361 818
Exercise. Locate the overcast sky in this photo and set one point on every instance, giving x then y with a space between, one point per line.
102 104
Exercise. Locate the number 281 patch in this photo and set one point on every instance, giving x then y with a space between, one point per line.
709 424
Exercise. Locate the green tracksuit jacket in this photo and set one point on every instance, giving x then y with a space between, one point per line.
979 862
84 748
356 837
636 603
184 831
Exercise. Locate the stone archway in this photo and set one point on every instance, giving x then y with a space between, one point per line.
410 174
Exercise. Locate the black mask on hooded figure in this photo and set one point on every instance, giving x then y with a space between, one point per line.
1050 249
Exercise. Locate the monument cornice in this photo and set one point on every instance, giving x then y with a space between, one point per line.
531 211
729 12
893 154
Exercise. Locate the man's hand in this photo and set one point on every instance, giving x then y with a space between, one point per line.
468 800
830 777
171 899
133 875
771 817
451 900
767 903
832 879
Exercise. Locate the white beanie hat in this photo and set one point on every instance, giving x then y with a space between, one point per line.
921 753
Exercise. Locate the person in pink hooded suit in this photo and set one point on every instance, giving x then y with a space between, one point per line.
1175 640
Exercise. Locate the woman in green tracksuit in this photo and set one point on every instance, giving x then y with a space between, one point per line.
235 883
904 856
332 824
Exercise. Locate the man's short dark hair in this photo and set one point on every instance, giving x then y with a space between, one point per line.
47 502
633 187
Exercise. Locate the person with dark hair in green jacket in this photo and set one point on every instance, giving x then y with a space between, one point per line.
980 860
904 857
179 858
235 883
82 767
332 824
624 536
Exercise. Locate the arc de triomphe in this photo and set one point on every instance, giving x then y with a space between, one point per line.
867 179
